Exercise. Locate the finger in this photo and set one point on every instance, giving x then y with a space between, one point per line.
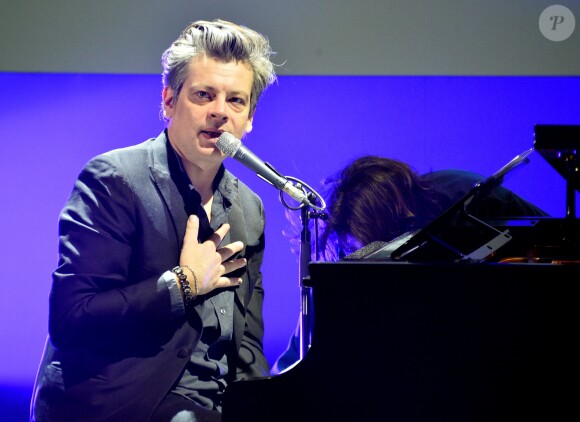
230 249
234 264
228 282
191 230
219 235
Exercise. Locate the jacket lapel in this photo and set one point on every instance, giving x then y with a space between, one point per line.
161 177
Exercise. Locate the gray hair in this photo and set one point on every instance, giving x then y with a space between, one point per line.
224 41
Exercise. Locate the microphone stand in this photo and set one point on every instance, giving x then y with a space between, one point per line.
308 211
306 316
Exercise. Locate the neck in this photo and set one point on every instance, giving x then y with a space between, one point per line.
202 180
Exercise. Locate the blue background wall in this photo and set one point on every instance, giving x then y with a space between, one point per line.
306 126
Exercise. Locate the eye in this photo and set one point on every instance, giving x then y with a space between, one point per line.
238 100
204 95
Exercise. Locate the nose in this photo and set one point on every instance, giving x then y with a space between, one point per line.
219 111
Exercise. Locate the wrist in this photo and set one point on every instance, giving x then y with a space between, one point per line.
185 287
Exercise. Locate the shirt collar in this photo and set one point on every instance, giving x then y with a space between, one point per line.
224 182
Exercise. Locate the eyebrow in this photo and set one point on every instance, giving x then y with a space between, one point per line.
240 94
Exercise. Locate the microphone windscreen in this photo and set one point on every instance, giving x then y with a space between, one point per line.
228 144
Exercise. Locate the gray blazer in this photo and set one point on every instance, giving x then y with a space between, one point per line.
114 348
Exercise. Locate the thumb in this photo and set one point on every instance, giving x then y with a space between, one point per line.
191 231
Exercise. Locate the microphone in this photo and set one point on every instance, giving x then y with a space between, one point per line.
232 147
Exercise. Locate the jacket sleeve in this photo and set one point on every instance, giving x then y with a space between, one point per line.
100 294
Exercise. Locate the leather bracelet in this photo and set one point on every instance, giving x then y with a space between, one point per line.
188 298
194 280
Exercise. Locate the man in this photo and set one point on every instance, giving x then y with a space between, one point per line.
156 303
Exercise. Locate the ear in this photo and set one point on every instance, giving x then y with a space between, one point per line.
168 104
249 125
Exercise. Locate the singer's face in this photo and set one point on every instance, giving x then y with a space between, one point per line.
215 98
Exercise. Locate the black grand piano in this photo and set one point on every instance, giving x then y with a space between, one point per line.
453 331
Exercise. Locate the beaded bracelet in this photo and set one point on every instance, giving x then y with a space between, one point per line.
188 298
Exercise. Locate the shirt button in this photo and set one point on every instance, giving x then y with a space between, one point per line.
222 311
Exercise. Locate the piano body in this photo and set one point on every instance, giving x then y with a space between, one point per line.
418 339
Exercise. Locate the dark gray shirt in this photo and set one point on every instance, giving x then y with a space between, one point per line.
203 380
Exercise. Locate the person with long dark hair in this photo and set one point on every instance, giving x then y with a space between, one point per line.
377 198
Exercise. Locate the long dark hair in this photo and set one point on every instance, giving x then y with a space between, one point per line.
373 198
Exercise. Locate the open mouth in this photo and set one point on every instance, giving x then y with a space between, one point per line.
211 134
